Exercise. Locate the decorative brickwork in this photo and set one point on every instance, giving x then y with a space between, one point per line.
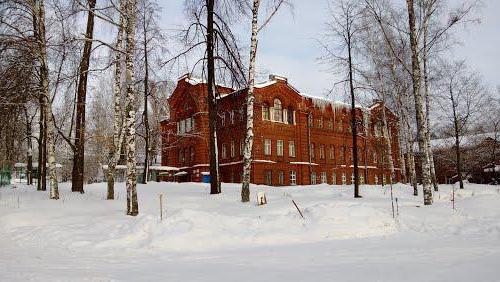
308 139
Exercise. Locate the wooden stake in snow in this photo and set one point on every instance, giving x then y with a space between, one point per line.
297 207
161 207
397 207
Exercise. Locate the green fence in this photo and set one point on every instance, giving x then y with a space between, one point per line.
5 176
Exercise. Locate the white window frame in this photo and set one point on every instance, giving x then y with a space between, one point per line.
334 178
323 177
321 151
268 147
281 177
291 148
313 178
277 110
344 178
293 177
279 148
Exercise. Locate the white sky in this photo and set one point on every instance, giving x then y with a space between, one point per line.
287 46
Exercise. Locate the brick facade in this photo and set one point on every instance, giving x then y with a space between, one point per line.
317 130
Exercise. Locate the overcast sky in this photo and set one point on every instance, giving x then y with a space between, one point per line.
288 44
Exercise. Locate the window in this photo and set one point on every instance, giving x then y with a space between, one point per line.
291 116
268 177
321 151
231 117
352 178
374 156
344 179
223 119
332 152
181 155
378 129
224 151
361 179
188 124
310 120
281 177
320 122
265 112
233 149
330 124
267 147
293 177
277 111
291 149
334 178
313 178
242 146
279 148
340 126
182 127
351 154
323 177
311 151
376 179
383 179
192 153
342 154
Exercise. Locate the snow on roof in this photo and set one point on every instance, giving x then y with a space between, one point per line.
464 140
264 84
163 168
303 163
322 103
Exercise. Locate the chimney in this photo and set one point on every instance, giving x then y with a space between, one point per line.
275 77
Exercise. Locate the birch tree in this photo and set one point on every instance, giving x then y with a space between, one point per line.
250 99
118 123
130 108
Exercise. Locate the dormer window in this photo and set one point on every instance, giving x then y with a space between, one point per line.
277 111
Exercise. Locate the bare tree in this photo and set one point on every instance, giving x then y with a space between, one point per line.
247 152
463 94
345 27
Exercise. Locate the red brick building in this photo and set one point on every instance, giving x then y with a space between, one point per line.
298 140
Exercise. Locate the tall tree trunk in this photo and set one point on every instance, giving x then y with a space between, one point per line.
130 105
212 105
79 153
353 121
118 124
419 105
49 117
247 155
146 94
456 127
29 135
427 109
41 181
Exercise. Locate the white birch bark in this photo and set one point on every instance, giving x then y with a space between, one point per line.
247 154
118 130
419 105
130 104
44 77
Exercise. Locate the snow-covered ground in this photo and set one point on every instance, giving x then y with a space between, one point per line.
217 238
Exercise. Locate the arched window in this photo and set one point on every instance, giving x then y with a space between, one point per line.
265 112
278 111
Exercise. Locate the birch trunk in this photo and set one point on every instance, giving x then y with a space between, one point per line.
79 152
130 104
247 155
419 106
29 168
145 114
427 107
456 127
212 106
118 126
353 118
44 79
42 183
